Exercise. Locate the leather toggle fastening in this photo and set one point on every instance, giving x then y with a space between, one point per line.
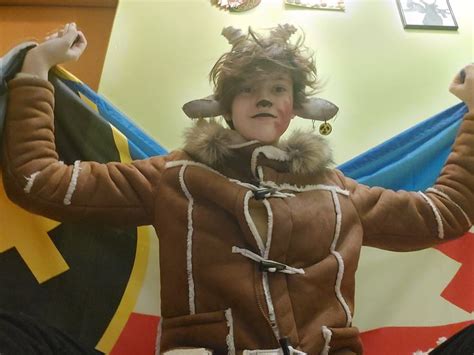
287 349
285 345
266 264
262 193
271 266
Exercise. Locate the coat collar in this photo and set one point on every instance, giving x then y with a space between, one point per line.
224 149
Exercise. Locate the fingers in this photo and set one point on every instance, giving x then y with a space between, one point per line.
78 46
51 35
455 83
69 28
469 69
462 85
82 41
70 32
460 77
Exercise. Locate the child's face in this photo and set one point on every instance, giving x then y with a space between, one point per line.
263 108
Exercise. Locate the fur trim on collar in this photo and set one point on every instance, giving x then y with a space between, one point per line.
212 144
308 153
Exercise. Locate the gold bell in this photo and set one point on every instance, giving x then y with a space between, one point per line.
325 129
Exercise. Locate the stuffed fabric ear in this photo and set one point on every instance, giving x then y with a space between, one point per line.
206 107
317 109
312 109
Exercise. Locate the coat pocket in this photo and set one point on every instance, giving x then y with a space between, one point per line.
203 330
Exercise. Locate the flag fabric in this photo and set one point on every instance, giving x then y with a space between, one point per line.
100 284
418 318
87 280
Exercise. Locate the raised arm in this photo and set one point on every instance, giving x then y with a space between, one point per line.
404 220
34 178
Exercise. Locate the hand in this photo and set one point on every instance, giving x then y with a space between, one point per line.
65 45
465 90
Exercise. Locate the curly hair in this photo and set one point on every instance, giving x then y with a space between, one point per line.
254 55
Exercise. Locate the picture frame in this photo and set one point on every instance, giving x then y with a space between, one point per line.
337 5
427 14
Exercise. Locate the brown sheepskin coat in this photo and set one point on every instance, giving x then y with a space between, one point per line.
258 242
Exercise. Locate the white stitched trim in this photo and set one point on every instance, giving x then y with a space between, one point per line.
442 194
245 184
441 340
271 309
252 187
176 163
260 173
158 337
72 185
269 228
241 145
436 214
230 336
255 257
266 285
290 187
293 351
270 152
263 251
279 351
263 352
251 223
29 182
279 194
189 242
189 351
340 260
327 335
337 287
285 186
337 232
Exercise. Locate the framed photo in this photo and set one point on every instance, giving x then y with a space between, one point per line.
337 5
427 14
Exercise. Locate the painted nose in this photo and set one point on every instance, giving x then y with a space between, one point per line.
264 103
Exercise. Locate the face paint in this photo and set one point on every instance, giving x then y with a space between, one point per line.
263 108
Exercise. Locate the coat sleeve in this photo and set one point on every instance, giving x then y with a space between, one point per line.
404 221
116 193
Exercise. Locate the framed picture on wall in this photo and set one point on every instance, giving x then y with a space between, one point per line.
427 14
337 5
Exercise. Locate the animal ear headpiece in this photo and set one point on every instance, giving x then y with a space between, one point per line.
313 108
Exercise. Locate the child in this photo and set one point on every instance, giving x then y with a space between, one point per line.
263 236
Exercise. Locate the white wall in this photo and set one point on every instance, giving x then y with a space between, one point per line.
383 78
